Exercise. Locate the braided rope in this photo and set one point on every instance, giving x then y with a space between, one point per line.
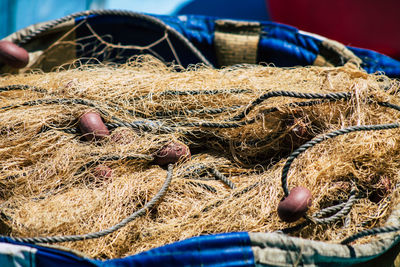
220 125
329 210
224 125
212 111
204 186
248 188
149 127
236 194
22 87
62 101
201 168
344 208
142 126
195 170
223 178
204 92
208 111
341 210
58 239
46 128
368 232
259 100
324 137
157 22
389 105
152 126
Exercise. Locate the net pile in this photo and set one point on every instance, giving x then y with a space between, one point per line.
239 142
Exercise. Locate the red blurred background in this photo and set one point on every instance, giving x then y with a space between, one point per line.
361 23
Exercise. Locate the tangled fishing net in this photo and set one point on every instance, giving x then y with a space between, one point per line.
240 125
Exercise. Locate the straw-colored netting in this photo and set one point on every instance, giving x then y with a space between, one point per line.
46 189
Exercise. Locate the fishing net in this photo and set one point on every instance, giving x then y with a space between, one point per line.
241 124
81 36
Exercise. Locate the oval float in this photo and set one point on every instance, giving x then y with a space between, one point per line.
172 153
92 126
13 55
295 205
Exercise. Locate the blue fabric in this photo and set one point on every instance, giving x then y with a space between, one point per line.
228 250
231 249
374 62
279 44
198 29
53 257
284 46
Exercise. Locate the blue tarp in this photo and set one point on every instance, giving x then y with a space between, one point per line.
281 45
231 249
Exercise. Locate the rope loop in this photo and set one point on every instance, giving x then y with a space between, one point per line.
69 238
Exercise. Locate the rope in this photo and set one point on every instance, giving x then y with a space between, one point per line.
330 135
22 87
204 186
193 92
237 194
152 126
340 210
220 125
368 232
222 178
199 169
333 134
204 92
389 105
157 127
212 111
58 239
154 21
259 100
66 130
142 126
62 101
195 170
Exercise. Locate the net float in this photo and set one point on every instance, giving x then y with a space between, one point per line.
172 153
92 126
298 134
295 205
381 190
102 172
13 55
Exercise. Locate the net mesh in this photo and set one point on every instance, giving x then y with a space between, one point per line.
91 43
48 188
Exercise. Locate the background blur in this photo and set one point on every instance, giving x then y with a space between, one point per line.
368 24
18 14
